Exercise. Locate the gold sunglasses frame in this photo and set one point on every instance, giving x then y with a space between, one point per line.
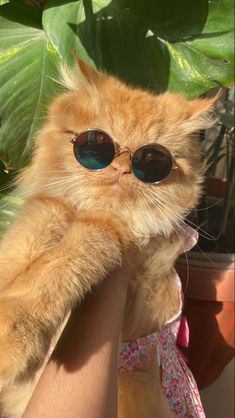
121 150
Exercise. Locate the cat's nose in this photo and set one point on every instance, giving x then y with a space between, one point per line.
122 164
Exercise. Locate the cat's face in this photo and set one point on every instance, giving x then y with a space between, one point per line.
132 118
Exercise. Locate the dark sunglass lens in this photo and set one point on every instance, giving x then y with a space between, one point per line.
94 149
152 163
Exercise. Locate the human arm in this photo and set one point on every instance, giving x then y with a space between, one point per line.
80 380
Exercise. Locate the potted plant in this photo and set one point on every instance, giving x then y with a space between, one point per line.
208 271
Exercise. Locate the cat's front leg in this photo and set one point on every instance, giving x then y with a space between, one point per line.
36 303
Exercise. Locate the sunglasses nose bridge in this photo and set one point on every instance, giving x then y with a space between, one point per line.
122 150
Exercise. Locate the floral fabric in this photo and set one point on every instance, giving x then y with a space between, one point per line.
177 381
134 354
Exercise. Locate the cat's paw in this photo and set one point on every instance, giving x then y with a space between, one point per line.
110 224
15 362
9 361
6 375
16 354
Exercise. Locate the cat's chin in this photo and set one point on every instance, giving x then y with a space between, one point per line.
116 186
119 188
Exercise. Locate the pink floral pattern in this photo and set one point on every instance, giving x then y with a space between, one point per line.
177 381
134 354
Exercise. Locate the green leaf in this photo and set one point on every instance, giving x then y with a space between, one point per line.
9 204
28 64
18 11
180 45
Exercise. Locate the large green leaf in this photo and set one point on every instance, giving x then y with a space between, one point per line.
181 45
27 67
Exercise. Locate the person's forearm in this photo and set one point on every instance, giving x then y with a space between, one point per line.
80 380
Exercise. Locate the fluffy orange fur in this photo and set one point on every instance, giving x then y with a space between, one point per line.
77 225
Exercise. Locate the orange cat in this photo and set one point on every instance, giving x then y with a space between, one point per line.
77 224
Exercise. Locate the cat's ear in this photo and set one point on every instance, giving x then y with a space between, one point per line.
204 105
201 113
82 75
87 71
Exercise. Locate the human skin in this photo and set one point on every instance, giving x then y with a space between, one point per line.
80 379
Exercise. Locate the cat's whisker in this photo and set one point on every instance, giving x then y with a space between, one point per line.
196 245
6 187
185 252
160 207
163 192
60 172
179 237
170 135
159 195
13 201
21 195
55 184
146 200
165 202
161 201
206 255
208 207
153 201
203 233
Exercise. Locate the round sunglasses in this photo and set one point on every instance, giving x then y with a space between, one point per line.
94 149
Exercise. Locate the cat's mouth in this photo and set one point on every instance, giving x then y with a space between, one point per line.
120 184
115 182
116 186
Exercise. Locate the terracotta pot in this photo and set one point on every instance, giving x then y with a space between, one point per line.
216 187
209 307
